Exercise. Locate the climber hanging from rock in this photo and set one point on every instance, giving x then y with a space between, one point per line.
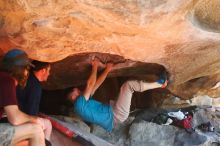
105 115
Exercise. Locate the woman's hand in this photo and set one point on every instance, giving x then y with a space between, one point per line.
109 66
95 62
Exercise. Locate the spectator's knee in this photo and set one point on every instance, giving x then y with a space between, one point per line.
48 124
37 130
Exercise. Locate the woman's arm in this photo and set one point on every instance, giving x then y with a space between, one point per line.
102 77
17 117
92 80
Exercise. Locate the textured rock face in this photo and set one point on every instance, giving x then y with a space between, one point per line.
180 35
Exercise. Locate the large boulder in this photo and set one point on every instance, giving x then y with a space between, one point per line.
180 35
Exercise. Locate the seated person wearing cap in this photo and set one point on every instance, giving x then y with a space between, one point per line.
20 126
105 115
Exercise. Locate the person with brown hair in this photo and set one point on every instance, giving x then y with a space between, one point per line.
29 97
14 70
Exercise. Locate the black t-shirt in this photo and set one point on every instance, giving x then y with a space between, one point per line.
30 96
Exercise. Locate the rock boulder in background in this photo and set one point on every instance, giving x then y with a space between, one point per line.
180 35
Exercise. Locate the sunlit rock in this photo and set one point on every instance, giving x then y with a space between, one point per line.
180 35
